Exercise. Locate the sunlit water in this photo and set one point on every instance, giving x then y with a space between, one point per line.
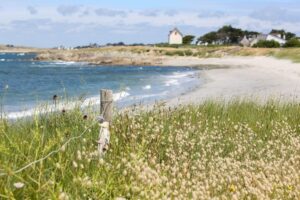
25 83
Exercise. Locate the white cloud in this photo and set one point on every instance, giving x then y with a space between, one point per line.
153 25
67 10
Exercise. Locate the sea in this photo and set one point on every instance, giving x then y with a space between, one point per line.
27 86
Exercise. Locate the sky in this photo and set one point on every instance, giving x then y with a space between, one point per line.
50 23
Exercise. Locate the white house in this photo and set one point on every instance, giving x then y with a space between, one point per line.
251 41
175 37
278 38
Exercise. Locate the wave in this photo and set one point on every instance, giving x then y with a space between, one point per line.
171 82
64 63
119 96
181 74
20 54
147 87
2 60
92 101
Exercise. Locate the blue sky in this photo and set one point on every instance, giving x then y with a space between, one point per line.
73 22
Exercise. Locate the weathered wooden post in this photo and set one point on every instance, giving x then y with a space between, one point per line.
106 110
106 104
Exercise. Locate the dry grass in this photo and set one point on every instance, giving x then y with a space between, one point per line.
240 150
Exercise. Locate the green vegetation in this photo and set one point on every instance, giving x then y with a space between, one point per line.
188 39
214 150
289 53
288 35
294 42
267 44
226 35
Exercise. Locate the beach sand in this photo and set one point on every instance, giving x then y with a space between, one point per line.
259 78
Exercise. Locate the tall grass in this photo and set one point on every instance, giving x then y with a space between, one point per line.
236 150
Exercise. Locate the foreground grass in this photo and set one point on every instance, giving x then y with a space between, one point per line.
235 151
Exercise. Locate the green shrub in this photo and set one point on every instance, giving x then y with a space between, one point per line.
188 53
267 44
175 53
294 42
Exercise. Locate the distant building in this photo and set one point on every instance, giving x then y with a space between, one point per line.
245 42
252 40
277 37
175 37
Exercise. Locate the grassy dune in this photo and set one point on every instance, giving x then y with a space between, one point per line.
233 151
146 55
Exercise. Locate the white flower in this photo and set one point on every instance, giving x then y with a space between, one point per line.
120 198
63 196
19 185
75 165
63 148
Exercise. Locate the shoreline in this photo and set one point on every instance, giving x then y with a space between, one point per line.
230 77
259 78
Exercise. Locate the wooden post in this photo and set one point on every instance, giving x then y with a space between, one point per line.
106 104
106 110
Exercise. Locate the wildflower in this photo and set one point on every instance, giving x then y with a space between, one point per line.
75 165
57 165
101 161
236 127
63 196
120 198
290 187
63 148
19 185
79 157
232 188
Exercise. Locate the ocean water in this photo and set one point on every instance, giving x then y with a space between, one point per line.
25 84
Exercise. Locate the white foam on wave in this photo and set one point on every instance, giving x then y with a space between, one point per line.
181 74
171 82
2 60
147 87
120 95
63 106
20 54
177 77
64 63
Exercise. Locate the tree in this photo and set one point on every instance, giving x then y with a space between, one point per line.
267 44
227 35
188 39
288 35
294 42
208 38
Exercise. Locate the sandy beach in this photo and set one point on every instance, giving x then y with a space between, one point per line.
243 77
